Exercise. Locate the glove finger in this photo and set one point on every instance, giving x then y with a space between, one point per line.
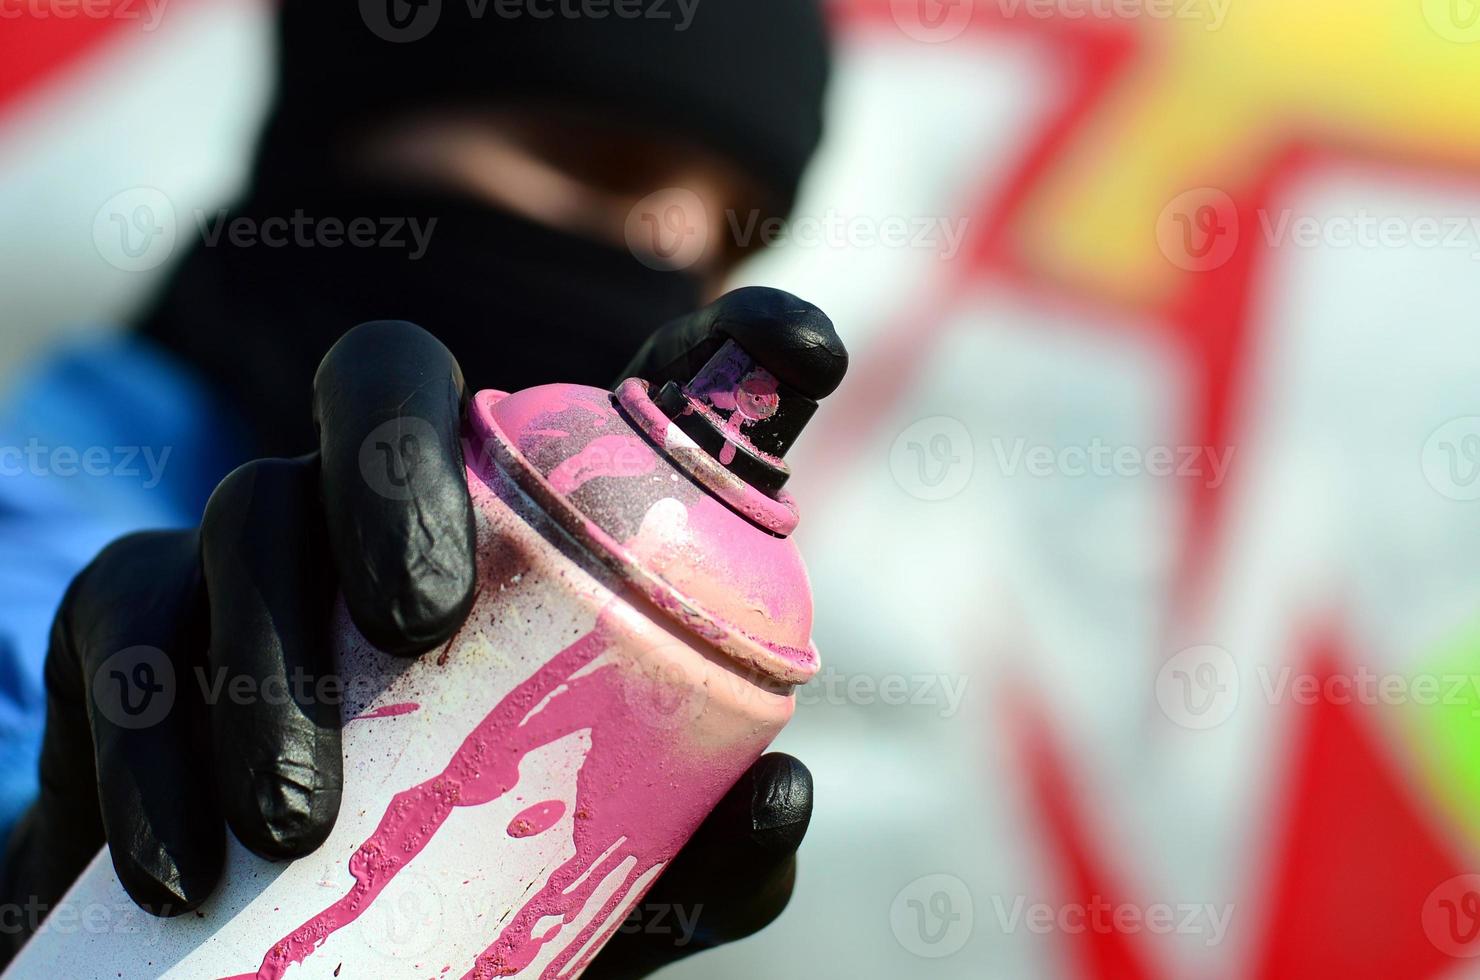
794 338
119 668
732 879
271 687
388 402
63 828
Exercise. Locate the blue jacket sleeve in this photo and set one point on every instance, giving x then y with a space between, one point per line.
98 441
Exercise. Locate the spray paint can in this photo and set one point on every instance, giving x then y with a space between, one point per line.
641 622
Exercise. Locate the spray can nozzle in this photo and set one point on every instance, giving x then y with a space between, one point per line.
745 383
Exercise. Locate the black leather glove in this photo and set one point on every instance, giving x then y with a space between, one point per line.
133 755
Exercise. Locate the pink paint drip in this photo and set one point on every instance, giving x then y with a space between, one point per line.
389 711
616 789
536 819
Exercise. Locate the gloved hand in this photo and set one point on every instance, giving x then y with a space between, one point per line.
153 769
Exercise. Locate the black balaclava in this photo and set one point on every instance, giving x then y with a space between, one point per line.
518 303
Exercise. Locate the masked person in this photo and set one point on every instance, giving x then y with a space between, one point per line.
487 161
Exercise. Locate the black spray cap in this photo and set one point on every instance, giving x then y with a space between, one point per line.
743 377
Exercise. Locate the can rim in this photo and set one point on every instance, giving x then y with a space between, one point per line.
785 665
775 515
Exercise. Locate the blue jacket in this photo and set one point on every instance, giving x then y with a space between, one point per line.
102 439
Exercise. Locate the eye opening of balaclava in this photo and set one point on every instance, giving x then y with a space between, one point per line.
517 302
742 78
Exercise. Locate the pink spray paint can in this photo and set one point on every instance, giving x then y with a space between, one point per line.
641 622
